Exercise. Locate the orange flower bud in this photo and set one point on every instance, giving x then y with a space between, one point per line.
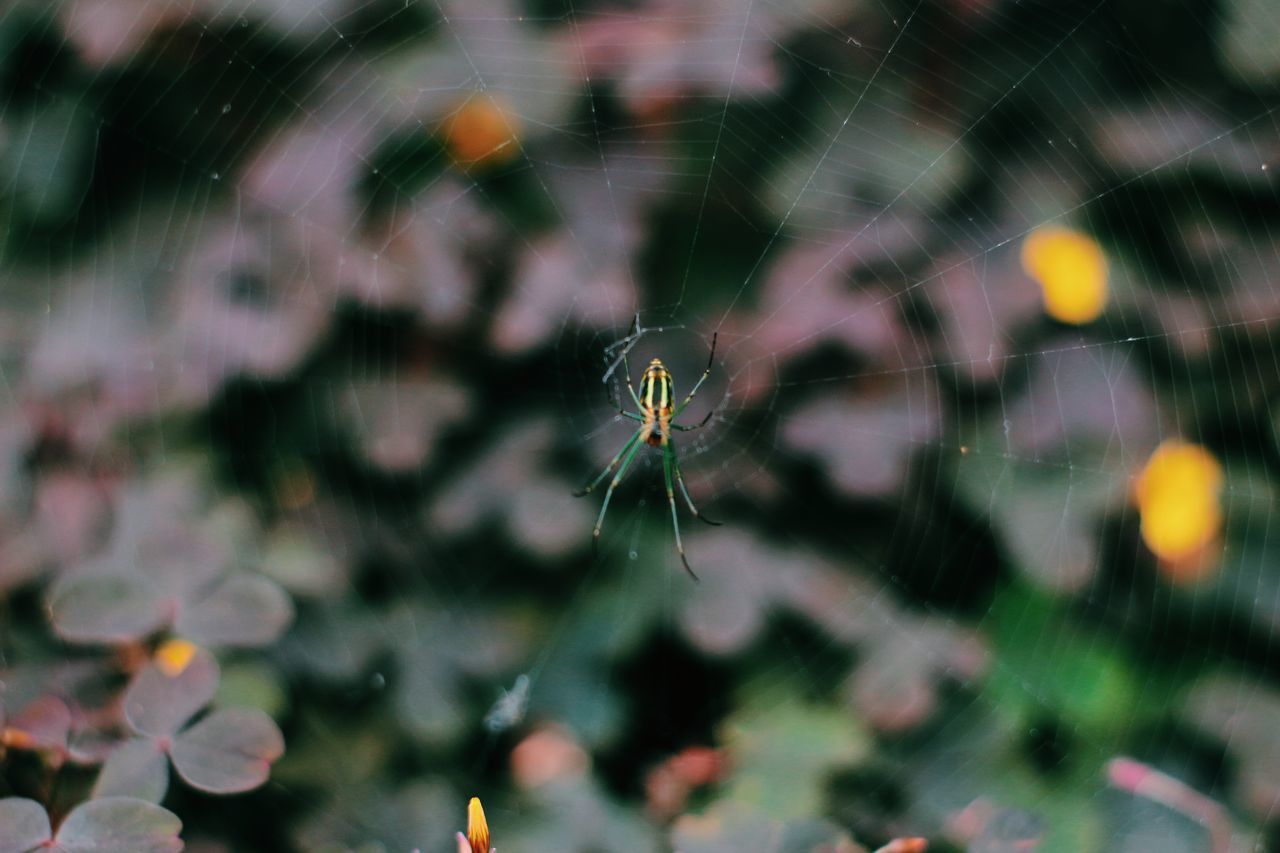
477 827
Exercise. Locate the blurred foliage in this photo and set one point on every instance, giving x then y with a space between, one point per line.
305 312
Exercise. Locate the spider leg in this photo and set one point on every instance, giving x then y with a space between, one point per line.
630 389
631 441
633 335
629 337
703 378
685 491
622 470
668 455
700 424
635 398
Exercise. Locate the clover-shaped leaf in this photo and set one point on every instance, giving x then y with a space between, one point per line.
546 279
242 610
545 519
105 609
396 424
865 441
25 823
161 699
903 655
171 562
108 825
653 55
228 751
420 256
252 298
135 768
66 520
246 610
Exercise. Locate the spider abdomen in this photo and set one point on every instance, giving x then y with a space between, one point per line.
656 391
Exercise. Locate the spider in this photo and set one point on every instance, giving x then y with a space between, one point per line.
656 414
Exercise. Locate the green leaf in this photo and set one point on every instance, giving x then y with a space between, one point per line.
48 151
252 684
119 825
1250 38
227 752
1049 663
428 701
574 814
301 564
789 741
730 827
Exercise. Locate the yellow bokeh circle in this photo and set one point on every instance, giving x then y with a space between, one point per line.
1179 495
1071 270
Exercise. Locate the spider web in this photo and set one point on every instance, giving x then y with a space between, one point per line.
839 194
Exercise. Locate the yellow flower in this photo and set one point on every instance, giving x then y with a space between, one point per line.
173 657
1071 270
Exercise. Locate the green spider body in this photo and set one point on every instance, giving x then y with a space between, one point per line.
657 412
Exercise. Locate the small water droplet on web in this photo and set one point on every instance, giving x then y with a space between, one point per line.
377 681
634 555
643 501
226 108
215 176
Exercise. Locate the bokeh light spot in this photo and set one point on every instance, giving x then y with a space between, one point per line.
1071 270
1179 496
482 132
173 657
